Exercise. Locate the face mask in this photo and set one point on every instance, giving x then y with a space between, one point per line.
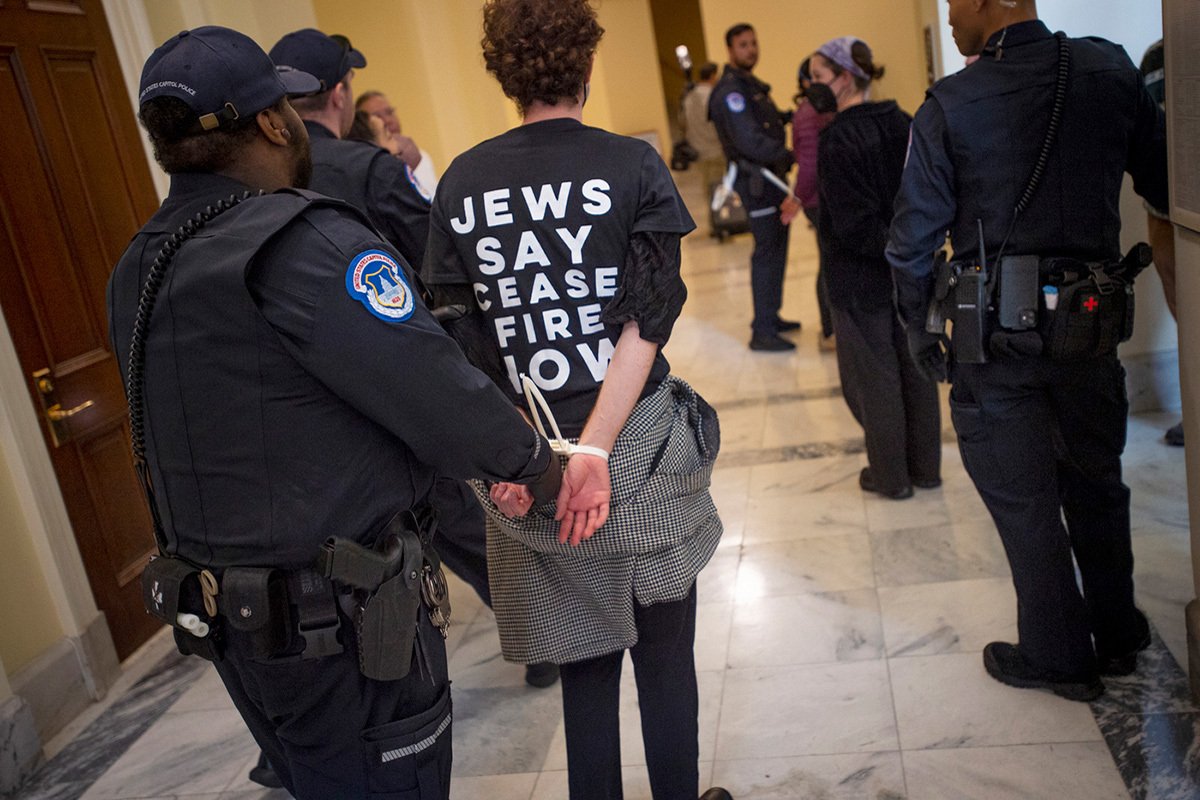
821 97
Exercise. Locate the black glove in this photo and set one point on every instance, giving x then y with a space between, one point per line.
545 487
929 352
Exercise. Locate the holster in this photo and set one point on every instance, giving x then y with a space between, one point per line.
387 588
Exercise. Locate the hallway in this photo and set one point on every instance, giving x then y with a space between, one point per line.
839 634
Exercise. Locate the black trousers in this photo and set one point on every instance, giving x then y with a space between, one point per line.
665 670
822 288
896 405
768 263
329 732
1043 441
461 540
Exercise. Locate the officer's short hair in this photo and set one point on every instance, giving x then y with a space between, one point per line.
735 31
312 103
180 146
708 70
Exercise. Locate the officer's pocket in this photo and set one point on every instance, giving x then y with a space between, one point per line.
974 442
409 759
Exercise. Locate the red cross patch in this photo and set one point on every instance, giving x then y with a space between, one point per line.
1091 303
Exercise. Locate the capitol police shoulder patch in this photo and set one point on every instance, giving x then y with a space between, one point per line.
735 101
377 281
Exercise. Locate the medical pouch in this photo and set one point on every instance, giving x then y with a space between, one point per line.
1091 318
254 601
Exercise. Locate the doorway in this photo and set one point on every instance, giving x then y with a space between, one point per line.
677 22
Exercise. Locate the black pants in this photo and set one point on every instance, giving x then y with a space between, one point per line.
329 732
665 670
1043 441
461 540
896 405
822 288
767 266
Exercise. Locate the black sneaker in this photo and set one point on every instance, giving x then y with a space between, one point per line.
867 483
1174 435
541 675
1123 664
770 342
1005 663
786 325
716 793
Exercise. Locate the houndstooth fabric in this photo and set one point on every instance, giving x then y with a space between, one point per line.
558 603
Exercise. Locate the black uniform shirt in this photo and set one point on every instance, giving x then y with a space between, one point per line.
375 182
748 124
975 142
281 408
539 221
861 154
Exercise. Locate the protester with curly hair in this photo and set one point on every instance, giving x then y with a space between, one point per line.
563 240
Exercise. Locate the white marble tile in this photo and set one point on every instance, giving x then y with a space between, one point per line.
242 787
713 623
806 710
195 751
805 499
494 787
504 729
206 694
852 776
950 617
741 429
1069 771
1162 582
806 629
477 663
812 420
947 552
949 701
719 576
822 564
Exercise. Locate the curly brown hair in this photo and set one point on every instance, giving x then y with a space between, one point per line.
539 50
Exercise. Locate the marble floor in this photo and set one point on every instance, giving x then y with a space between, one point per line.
839 634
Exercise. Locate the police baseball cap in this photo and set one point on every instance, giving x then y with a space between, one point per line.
221 74
329 58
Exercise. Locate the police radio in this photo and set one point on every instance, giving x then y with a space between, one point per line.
970 309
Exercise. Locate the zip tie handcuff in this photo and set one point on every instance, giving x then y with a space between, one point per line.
537 402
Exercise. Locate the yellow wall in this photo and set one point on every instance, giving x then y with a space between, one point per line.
264 21
789 31
31 621
426 57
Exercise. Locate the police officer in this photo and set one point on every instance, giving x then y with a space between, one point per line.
750 128
288 387
360 173
1040 436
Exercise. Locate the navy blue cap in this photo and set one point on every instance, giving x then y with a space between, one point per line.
329 58
221 74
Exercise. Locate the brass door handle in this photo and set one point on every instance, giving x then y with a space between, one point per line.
55 413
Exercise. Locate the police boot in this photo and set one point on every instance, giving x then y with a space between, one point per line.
716 793
262 774
541 675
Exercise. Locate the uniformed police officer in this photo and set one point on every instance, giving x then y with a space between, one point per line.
1041 433
750 128
360 173
289 387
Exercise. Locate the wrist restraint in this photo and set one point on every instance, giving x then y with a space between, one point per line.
538 406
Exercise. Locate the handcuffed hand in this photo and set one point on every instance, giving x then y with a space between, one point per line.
583 499
513 499
788 209
929 351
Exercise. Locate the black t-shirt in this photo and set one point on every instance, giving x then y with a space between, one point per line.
538 222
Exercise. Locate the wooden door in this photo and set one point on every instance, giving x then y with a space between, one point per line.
74 186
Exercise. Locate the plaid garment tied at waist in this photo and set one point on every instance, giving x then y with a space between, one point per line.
554 602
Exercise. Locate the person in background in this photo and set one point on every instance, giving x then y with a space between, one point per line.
1158 220
752 134
420 162
861 156
700 131
815 108
564 241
